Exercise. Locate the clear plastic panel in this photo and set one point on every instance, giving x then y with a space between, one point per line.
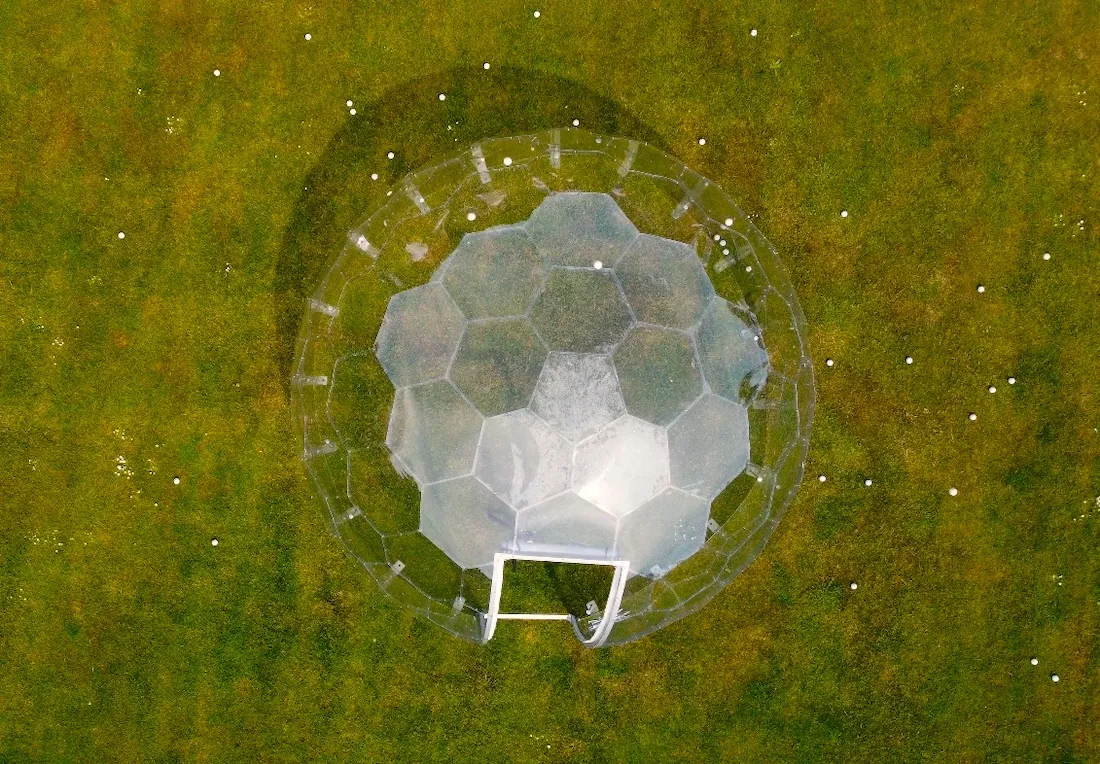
569 522
510 155
497 364
733 361
419 336
585 171
358 400
664 282
662 532
696 466
777 412
361 539
464 519
580 229
658 373
784 345
578 394
434 431
389 501
522 459
361 308
424 564
504 257
414 249
623 466
651 201
439 183
328 293
581 311
331 471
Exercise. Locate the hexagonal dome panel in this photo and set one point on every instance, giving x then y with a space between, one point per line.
464 519
433 431
498 364
622 466
708 446
664 282
578 228
577 394
664 531
567 521
728 351
580 311
657 373
522 460
503 257
419 334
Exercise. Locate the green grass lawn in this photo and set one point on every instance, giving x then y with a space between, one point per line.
962 142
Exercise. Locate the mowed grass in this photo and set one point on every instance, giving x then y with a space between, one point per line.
960 138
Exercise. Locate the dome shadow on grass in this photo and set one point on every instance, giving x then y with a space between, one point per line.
410 121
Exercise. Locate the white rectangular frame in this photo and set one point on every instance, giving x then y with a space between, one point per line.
611 609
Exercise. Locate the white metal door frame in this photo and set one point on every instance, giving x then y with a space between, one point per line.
614 597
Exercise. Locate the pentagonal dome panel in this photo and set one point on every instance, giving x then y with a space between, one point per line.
419 334
567 521
729 352
580 311
433 431
498 364
522 460
577 394
622 466
464 519
494 273
664 282
708 446
658 373
664 531
579 228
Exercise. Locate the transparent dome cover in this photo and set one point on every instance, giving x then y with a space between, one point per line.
558 347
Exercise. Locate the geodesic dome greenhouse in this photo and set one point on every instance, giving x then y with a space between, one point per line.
564 349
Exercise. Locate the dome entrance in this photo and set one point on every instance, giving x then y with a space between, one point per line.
542 587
